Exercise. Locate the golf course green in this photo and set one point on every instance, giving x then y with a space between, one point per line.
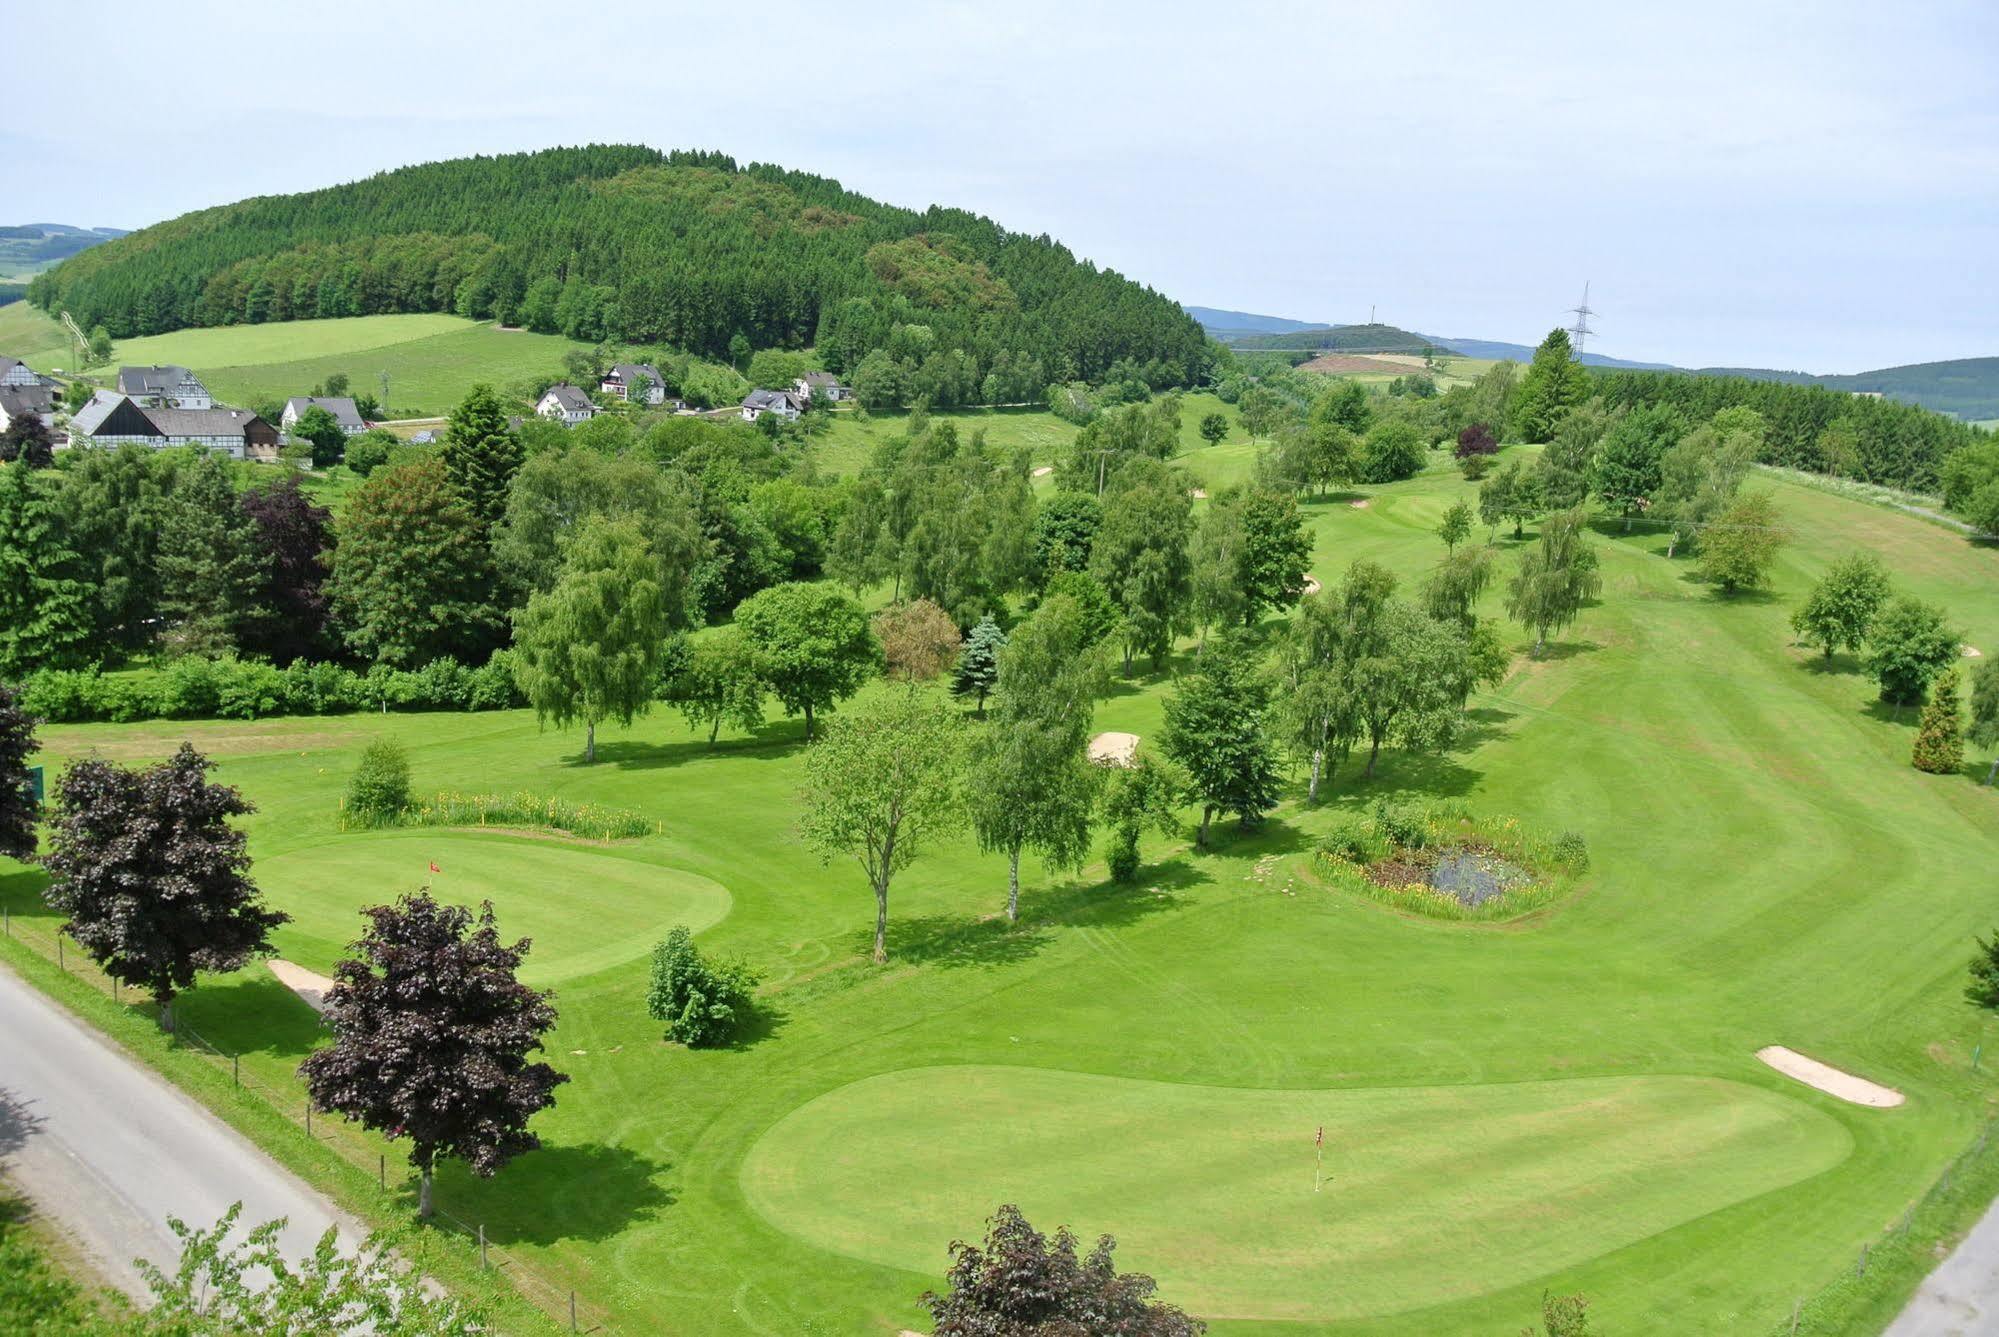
1571 1101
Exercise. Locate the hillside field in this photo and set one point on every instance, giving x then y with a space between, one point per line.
432 360
1568 1102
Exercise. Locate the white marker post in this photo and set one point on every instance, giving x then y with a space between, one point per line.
1319 1168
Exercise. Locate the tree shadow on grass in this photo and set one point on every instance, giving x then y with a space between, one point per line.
21 893
1419 775
255 1014
556 1193
1888 712
771 742
956 940
1554 652
1840 663
763 1020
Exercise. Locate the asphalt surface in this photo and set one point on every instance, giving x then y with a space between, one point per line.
110 1149
1960 1298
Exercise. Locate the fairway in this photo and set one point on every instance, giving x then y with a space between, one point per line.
1441 1192
1572 1102
586 909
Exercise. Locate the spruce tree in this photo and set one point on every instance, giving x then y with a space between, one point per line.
481 454
17 804
209 568
46 613
1940 731
978 663
1554 384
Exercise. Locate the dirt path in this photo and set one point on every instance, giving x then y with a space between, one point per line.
307 984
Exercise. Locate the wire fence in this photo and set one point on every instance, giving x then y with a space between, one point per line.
559 1302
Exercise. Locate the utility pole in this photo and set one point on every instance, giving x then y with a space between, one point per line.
1580 331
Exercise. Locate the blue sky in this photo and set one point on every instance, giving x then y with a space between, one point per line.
1810 186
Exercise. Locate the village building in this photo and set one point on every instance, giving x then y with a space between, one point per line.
164 388
567 404
17 401
340 406
620 379
782 403
823 386
18 375
115 420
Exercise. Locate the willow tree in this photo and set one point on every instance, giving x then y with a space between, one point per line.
1557 576
589 649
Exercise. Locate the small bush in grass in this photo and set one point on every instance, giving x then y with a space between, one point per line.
701 1002
381 785
1475 467
1356 838
1404 824
1573 850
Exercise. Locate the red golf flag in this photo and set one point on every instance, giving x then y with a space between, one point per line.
434 868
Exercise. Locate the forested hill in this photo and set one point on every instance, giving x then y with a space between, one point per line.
1343 339
627 243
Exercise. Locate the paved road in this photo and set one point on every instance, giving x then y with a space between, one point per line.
110 1149
1960 1298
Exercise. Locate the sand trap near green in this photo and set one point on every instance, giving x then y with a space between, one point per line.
1431 1193
585 909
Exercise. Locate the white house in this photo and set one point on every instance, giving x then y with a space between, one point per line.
783 403
114 420
620 379
19 401
566 404
164 388
821 385
340 406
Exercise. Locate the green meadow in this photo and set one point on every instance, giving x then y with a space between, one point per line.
1569 1101
431 360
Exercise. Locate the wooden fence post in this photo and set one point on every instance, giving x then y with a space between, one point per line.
236 1068
572 1311
382 1170
482 1247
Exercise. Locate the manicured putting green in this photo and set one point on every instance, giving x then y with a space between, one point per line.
584 908
1431 1193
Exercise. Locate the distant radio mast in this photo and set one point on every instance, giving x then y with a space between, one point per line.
1580 331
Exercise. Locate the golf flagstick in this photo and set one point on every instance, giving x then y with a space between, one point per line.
1319 1166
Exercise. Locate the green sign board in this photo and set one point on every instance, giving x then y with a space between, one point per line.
35 785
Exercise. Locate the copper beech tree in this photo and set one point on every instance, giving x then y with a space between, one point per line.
154 880
432 1033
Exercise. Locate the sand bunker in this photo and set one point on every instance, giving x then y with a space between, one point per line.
1311 584
1199 494
1360 505
1114 749
1044 471
306 984
1973 652
1830 1080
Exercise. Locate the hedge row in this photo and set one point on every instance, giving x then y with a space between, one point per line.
247 689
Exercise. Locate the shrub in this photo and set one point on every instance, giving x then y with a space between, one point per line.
380 787
1475 467
247 689
1121 856
1405 825
1477 439
1573 850
1356 838
701 1002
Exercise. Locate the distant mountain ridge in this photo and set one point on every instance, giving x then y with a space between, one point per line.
1965 388
26 249
1375 338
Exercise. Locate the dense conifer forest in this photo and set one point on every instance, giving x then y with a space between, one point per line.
629 244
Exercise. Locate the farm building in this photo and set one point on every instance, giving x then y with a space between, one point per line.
164 387
115 420
18 375
20 400
620 379
340 406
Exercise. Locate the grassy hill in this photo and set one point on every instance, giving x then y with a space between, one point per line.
1965 387
1152 1059
27 249
626 243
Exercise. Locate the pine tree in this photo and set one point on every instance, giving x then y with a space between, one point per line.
978 663
1940 732
46 613
481 454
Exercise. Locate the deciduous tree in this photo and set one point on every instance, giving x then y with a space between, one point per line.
918 639
1627 468
813 644
1556 577
1214 427
1739 546
210 566
1140 558
702 1002
322 431
719 682
1031 785
1216 730
28 440
411 582
881 785
1909 644
46 613
291 539
432 1037
17 797
1984 727
1840 610
153 880
589 649
1455 527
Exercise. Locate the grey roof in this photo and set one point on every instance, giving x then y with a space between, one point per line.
815 379
425 437
569 397
18 399
340 406
153 380
201 422
86 420
8 364
625 371
770 399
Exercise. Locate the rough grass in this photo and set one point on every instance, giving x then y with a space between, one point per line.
1766 867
